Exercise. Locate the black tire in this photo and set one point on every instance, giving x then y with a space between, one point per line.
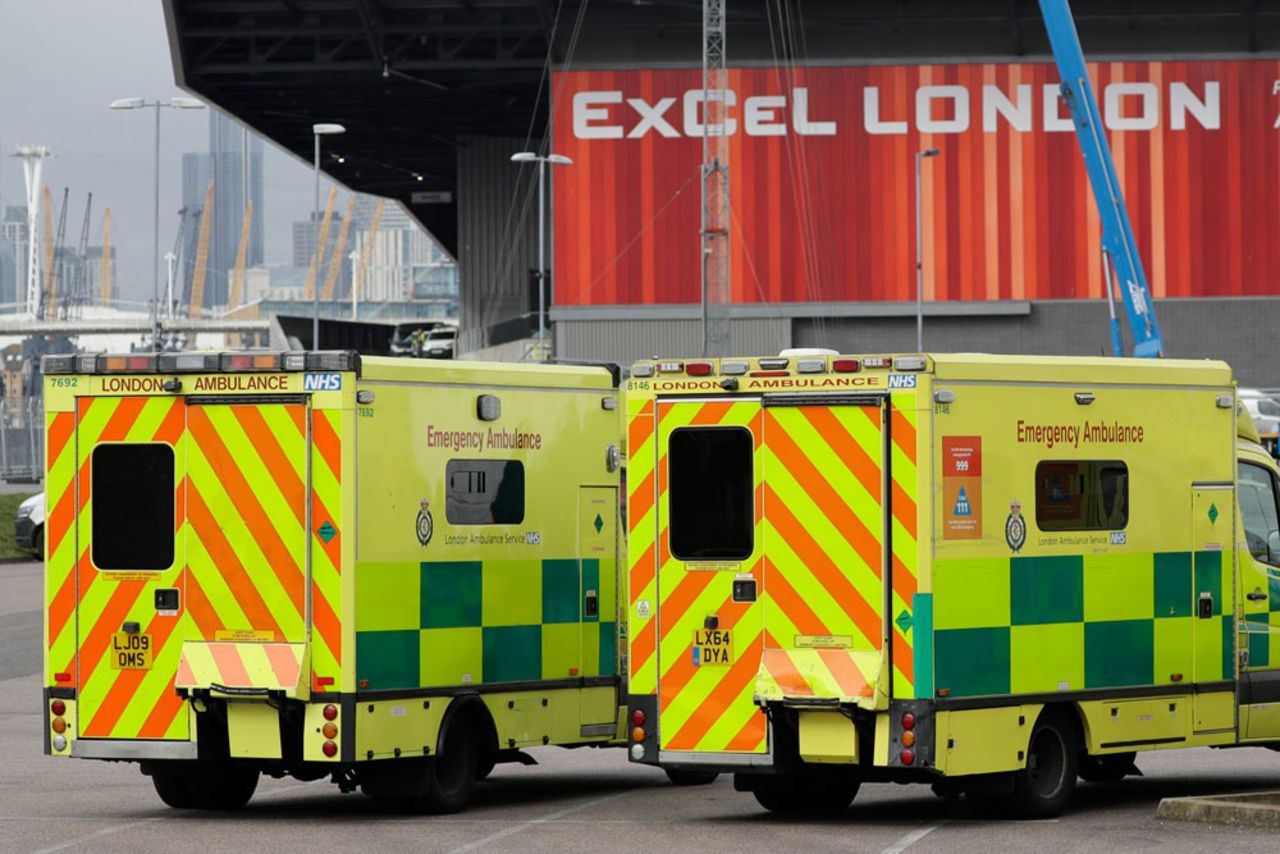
173 790
1043 789
223 787
1111 768
808 796
37 541
685 777
451 775
485 765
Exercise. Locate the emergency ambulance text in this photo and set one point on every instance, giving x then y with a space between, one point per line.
1089 433
482 440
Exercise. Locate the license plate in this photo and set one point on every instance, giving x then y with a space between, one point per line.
131 651
712 648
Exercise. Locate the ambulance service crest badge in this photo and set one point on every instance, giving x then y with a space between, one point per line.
1015 527
426 527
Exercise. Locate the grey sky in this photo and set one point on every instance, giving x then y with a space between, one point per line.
62 62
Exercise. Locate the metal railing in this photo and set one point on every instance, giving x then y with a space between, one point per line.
22 439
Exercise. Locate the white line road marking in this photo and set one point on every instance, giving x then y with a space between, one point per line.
533 822
97 834
911 839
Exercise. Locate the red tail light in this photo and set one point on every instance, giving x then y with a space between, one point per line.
58 707
330 712
908 757
330 749
637 717
908 720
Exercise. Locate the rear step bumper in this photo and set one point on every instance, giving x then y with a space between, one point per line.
132 749
710 761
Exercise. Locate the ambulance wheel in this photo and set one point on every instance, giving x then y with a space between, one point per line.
173 790
805 796
223 787
685 777
451 776
1111 768
1043 789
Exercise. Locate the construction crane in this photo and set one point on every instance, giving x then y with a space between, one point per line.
242 256
716 289
106 258
366 251
202 257
335 261
1119 246
80 274
317 257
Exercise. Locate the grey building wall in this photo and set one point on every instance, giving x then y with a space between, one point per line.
625 340
1242 331
497 234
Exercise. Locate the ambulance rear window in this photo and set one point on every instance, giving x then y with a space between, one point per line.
710 493
133 518
1082 495
484 492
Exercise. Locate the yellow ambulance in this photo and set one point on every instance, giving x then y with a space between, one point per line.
392 573
992 574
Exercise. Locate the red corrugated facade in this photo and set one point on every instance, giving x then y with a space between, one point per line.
823 195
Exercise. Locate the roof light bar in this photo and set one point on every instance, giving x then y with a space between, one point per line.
250 361
699 369
734 368
333 360
670 367
811 366
909 363
773 364
846 366
187 363
642 369
61 363
876 361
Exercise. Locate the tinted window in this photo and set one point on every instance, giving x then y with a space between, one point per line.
133 518
710 495
1258 511
484 492
1090 495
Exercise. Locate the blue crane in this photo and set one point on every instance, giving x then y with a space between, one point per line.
1119 248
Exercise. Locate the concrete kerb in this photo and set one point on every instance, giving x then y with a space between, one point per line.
1258 809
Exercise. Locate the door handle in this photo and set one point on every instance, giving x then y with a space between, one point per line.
1256 596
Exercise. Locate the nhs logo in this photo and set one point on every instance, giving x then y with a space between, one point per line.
324 382
902 380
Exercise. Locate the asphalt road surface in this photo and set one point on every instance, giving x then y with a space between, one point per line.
573 801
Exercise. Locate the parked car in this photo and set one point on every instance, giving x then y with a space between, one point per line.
440 342
1264 408
28 528
402 336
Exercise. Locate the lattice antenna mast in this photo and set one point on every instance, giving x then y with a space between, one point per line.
33 157
716 292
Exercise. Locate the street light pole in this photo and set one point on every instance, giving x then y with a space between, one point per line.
318 130
920 156
542 161
157 103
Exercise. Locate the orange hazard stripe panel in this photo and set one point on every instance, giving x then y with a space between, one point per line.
642 547
327 542
707 708
122 703
247 504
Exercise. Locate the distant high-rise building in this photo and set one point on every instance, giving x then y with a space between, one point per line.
13 255
305 233
234 164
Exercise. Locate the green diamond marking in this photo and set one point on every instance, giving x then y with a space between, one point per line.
327 532
904 622
1213 513
599 523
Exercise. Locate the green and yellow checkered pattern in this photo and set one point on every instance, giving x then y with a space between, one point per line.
1028 625
453 623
